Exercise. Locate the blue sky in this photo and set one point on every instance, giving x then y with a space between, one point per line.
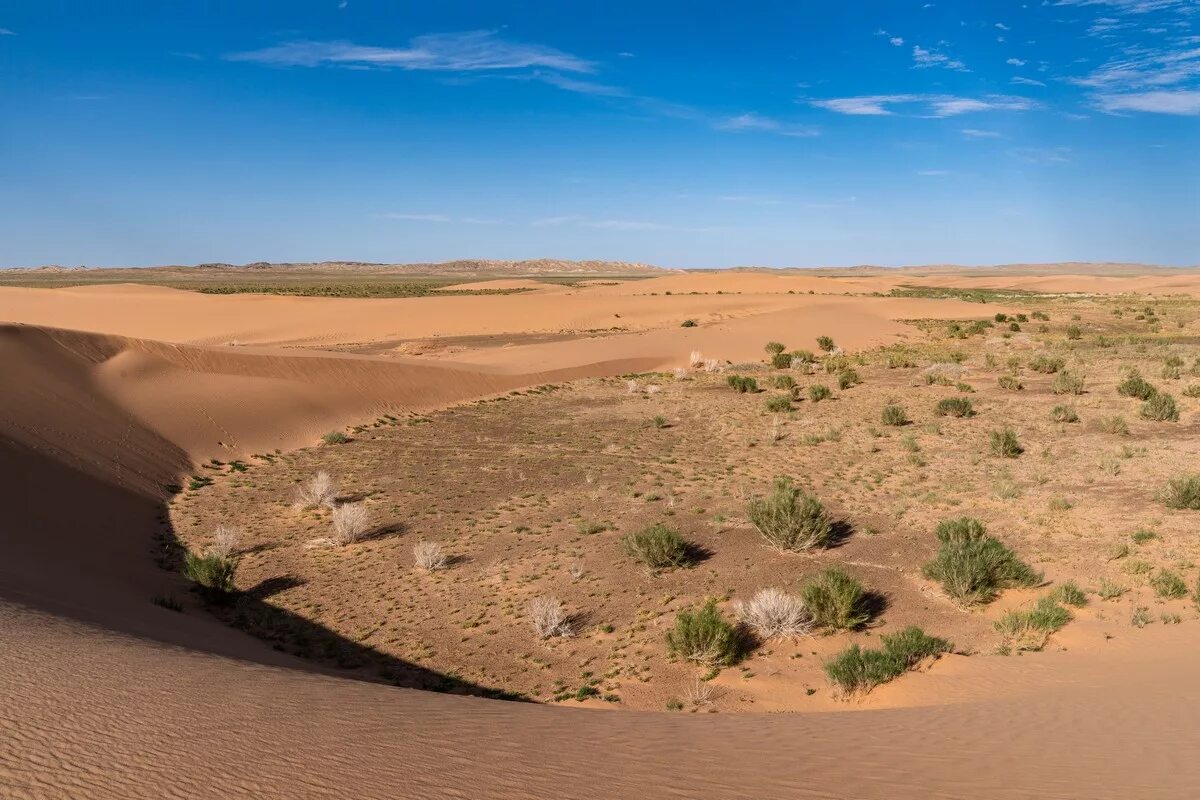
694 133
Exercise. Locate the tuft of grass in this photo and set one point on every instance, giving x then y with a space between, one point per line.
1142 536
803 357
1069 594
335 437
836 600
1108 590
1182 492
1160 408
1141 617
167 602
781 360
859 670
774 348
818 392
1192 390
1005 443
1134 385
1047 364
705 637
774 613
1074 332
972 566
894 415
826 344
1168 585
1115 425
1010 382
550 619
783 382
1029 629
212 573
658 547
779 403
790 518
660 421
1064 414
848 378
954 407
742 384
688 323
1067 382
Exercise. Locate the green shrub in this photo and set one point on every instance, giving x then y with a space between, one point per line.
848 378
1160 408
1010 382
954 407
1135 385
1168 585
1074 332
1004 443
900 360
660 421
1069 594
1047 364
1029 630
894 415
1193 390
1063 414
781 360
818 392
825 343
774 348
836 600
1014 327
803 357
859 670
790 518
1115 425
704 636
1000 317
213 574
1067 383
779 403
658 547
971 565
783 382
742 384
335 437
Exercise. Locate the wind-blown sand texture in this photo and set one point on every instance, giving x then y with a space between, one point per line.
112 392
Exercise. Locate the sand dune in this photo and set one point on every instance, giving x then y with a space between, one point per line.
103 694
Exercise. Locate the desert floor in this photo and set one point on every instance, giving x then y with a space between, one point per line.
527 433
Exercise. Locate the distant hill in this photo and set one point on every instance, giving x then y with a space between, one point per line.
466 267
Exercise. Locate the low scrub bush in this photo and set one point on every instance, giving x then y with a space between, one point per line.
1047 364
705 637
213 574
335 437
774 613
783 382
1182 492
859 670
836 600
894 415
350 523
848 378
803 357
319 491
826 344
224 542
742 384
1134 385
1067 382
1005 443
429 556
1074 332
954 407
658 547
1010 382
781 360
790 518
1069 594
549 618
818 392
1116 425
1160 408
774 348
1168 585
1029 629
972 566
779 403
1063 414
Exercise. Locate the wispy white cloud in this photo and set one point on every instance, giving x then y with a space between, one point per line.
749 199
896 41
1015 62
450 52
624 225
1131 6
1042 155
978 133
1020 81
1184 102
757 122
923 59
933 173
934 105
6 32
549 222
414 217
1003 27
480 221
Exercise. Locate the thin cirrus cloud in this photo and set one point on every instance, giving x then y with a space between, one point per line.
978 133
624 225
445 52
924 59
6 32
1180 102
931 105
758 122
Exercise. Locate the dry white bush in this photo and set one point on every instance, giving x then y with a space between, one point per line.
696 359
577 570
319 491
774 613
947 369
776 432
350 522
700 693
548 617
429 555
631 387
225 541
712 365
653 388
681 374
